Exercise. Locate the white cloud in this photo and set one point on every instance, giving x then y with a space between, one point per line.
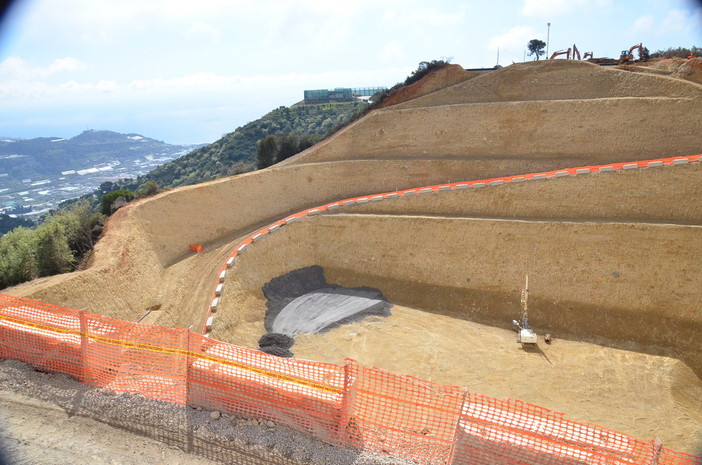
105 22
75 91
680 20
423 16
107 86
516 39
644 25
553 8
65 64
200 30
432 17
391 52
674 22
15 68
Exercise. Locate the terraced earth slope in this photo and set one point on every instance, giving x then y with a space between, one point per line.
613 258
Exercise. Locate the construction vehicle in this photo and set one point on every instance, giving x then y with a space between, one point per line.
587 55
561 52
628 55
525 335
576 52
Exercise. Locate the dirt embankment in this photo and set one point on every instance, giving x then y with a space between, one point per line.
689 69
613 269
143 267
599 131
437 80
604 264
588 277
613 265
143 264
556 80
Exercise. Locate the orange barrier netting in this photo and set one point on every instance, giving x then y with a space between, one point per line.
387 413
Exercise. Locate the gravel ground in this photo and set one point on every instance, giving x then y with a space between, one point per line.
50 418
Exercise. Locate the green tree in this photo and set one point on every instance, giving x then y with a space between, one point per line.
81 226
147 189
17 257
106 187
679 52
8 223
645 54
424 68
114 200
536 47
267 152
307 141
287 147
53 254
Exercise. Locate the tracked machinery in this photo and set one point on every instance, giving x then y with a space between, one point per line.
628 55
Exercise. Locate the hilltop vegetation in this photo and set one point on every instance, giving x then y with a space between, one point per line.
235 152
679 52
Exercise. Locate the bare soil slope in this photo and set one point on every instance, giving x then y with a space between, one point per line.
437 80
614 254
556 80
689 69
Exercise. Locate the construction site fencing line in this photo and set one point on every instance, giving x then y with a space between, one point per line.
329 207
343 405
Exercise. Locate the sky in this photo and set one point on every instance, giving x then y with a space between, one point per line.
188 72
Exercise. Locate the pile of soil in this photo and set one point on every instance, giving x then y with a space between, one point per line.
682 68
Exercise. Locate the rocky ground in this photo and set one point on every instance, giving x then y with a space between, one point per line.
48 419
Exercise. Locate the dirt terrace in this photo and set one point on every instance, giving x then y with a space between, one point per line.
613 258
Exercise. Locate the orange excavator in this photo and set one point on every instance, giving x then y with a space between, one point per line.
628 55
561 52
576 53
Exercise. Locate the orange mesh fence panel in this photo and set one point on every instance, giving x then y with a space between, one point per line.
671 457
130 357
401 416
510 431
370 408
47 337
304 395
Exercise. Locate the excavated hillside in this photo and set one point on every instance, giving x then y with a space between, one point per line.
613 258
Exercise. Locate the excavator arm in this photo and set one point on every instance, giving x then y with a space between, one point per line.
560 52
576 52
628 55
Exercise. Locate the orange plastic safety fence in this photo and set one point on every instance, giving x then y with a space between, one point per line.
374 409
401 416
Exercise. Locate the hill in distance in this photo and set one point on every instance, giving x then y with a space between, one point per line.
37 174
47 156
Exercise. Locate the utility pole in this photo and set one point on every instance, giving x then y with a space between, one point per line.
498 57
548 35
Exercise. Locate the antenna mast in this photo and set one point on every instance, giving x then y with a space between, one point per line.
525 298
